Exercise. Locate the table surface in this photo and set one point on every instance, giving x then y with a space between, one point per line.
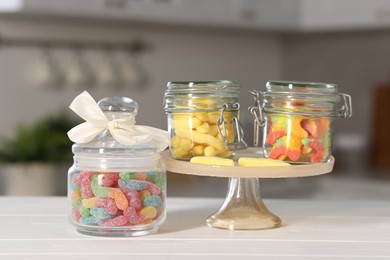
38 228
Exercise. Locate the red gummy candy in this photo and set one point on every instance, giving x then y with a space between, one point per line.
319 151
275 135
316 128
278 153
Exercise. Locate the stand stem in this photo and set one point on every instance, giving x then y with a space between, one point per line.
243 208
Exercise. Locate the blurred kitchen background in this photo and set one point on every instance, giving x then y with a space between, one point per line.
52 50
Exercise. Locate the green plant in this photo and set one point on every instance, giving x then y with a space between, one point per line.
45 141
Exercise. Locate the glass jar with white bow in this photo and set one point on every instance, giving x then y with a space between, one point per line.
117 184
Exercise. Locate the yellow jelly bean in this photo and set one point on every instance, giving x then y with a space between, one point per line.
186 144
200 138
198 149
225 154
210 151
186 122
213 117
202 116
179 153
175 141
203 128
213 130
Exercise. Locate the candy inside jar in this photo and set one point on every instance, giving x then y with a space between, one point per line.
117 184
203 119
298 119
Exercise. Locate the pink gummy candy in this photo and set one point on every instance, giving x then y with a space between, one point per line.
108 204
86 190
133 198
132 216
110 179
319 151
115 222
153 189
75 214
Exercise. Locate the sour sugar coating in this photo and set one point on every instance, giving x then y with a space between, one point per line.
107 203
148 212
154 201
100 213
126 175
133 199
143 194
120 198
79 206
298 138
158 180
132 217
115 222
76 195
115 193
90 220
75 215
86 190
153 189
110 179
132 184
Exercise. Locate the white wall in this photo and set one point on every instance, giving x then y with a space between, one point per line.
356 61
249 57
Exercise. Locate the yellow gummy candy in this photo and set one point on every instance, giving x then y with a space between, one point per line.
201 138
203 128
212 160
186 122
202 116
250 161
211 151
198 149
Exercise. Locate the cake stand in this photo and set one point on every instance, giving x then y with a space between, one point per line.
243 207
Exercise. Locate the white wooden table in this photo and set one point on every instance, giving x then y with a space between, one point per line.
37 228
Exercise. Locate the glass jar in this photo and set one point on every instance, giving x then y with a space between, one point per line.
298 119
203 118
114 189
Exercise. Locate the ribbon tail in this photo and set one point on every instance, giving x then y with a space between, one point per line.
83 133
157 137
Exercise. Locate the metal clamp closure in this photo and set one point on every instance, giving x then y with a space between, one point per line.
346 109
238 142
258 117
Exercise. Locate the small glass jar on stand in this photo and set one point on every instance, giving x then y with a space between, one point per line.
298 119
203 118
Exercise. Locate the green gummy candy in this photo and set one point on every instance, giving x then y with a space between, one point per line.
98 190
126 175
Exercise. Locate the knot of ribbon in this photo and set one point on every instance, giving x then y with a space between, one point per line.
123 130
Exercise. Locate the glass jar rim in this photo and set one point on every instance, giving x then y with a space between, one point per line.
187 87
276 86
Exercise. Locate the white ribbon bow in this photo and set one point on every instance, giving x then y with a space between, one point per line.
123 130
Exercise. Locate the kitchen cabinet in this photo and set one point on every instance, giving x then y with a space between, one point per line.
276 15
